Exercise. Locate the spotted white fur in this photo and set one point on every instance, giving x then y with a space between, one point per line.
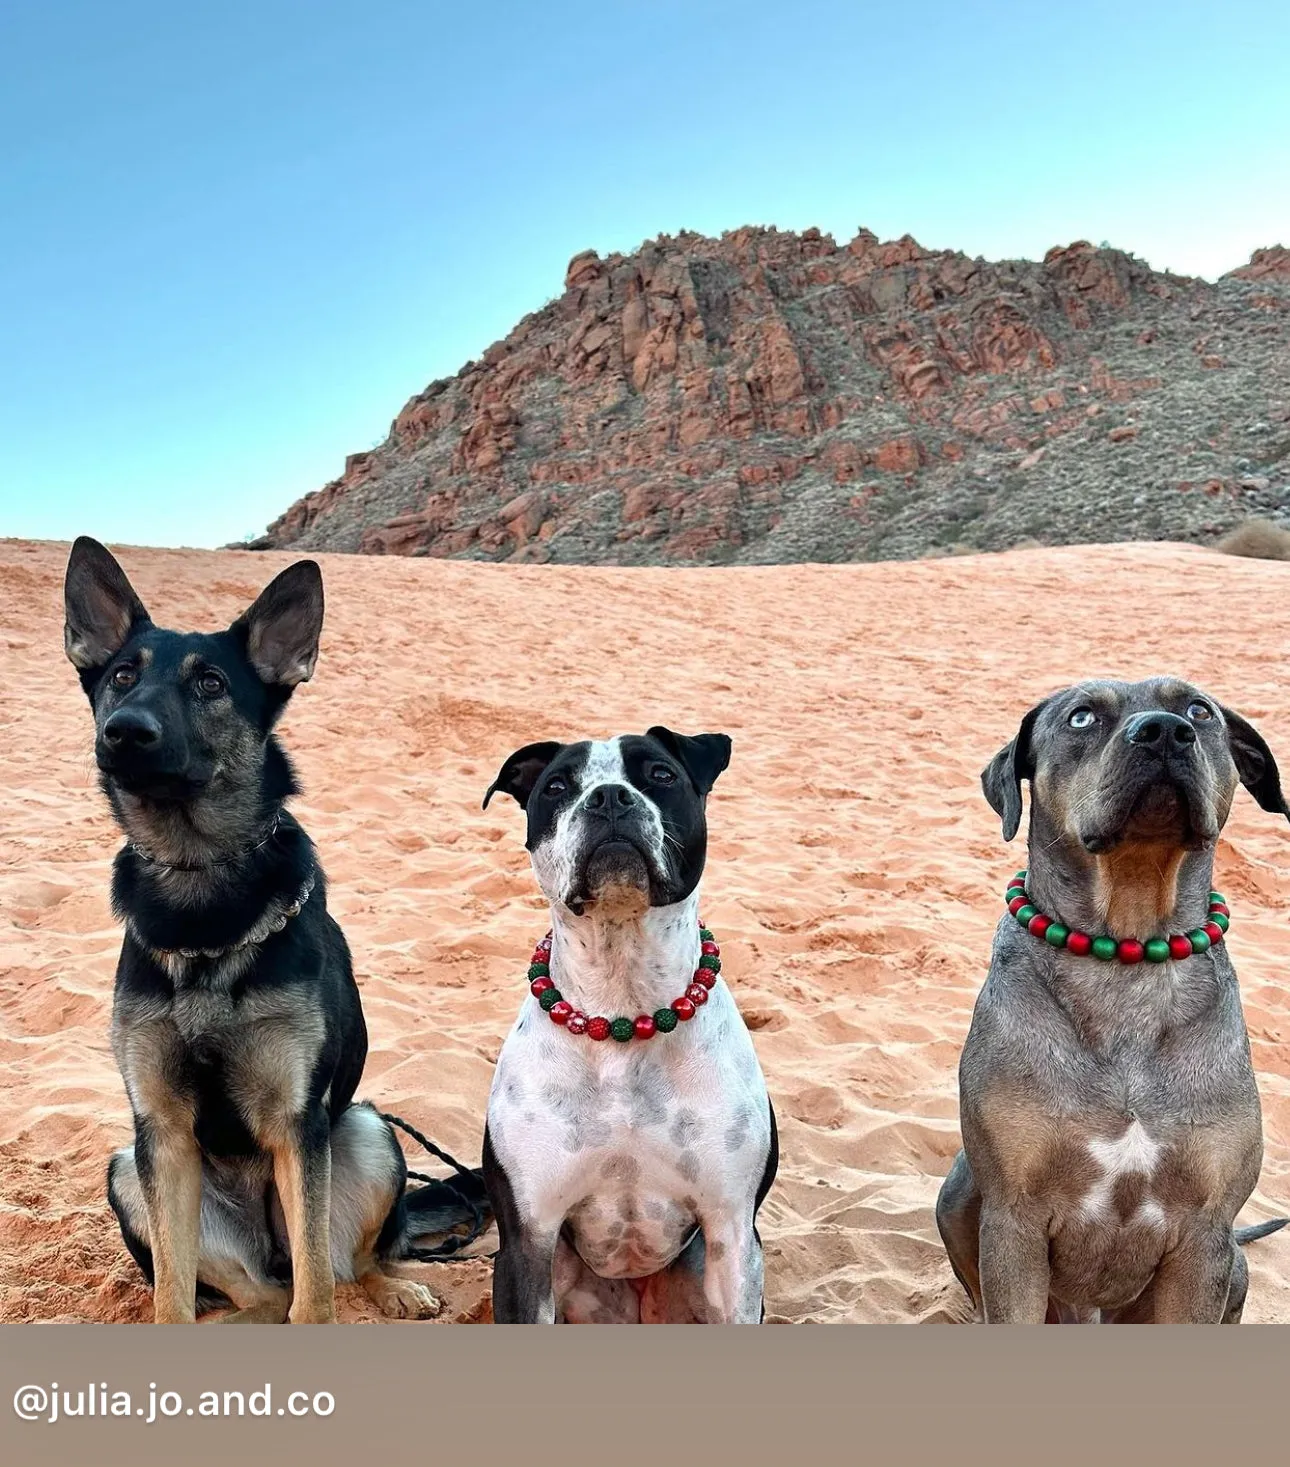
624 1152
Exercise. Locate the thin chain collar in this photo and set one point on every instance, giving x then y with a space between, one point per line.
145 855
275 918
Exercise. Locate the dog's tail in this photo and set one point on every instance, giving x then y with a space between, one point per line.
440 1209
1261 1230
454 1210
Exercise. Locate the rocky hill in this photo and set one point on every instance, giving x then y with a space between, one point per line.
771 396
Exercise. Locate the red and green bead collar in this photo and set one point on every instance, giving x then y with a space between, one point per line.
643 1026
1128 950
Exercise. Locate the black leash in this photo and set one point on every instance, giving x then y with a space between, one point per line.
455 1242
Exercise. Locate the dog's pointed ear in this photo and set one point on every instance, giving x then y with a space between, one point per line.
1254 763
101 607
518 776
702 756
283 626
1001 778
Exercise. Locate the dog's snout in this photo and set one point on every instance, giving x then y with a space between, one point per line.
608 799
132 728
1163 733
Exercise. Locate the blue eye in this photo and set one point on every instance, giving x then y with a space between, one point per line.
1082 718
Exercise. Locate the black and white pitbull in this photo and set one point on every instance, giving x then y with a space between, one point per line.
626 1175
1111 1123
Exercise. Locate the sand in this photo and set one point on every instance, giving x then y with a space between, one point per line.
854 874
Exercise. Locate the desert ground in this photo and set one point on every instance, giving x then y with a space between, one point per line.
854 878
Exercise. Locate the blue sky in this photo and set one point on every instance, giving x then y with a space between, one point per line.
237 238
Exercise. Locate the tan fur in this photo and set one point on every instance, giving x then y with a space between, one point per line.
1137 887
305 1206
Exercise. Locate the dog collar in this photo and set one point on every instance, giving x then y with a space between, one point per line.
643 1026
145 855
274 920
1129 950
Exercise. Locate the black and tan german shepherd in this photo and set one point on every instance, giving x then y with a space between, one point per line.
254 1180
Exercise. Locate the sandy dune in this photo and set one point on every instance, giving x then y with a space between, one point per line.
854 877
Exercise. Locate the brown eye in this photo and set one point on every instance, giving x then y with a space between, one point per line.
210 684
124 677
555 786
1199 712
661 774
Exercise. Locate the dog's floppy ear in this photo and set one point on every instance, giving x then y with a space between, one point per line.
702 756
1001 778
1254 763
519 774
101 608
283 626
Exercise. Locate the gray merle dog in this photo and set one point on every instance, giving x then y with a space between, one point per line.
254 1180
1111 1123
631 1141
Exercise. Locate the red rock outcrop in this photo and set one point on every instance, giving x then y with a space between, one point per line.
709 399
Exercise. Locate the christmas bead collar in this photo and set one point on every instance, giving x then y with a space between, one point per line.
643 1026
1154 950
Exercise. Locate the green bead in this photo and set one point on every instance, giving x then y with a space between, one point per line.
549 999
1056 935
1199 940
708 961
705 935
539 970
1104 948
1021 875
1157 950
1024 914
1219 921
1217 896
1014 891
622 1030
665 1020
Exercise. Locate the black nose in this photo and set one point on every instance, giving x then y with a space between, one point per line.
606 799
1161 732
131 728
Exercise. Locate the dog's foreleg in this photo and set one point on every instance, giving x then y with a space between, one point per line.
524 1278
169 1166
1194 1280
732 1270
1014 1267
302 1173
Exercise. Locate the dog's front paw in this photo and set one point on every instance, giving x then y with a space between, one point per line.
404 1299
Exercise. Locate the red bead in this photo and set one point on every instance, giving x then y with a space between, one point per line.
539 986
1079 943
577 1022
644 1026
1016 904
1180 948
697 994
540 955
683 1008
1130 951
560 1012
1038 925
597 1028
1213 931
710 949
705 976
1220 908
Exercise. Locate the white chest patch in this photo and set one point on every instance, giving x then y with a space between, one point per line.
1133 1153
